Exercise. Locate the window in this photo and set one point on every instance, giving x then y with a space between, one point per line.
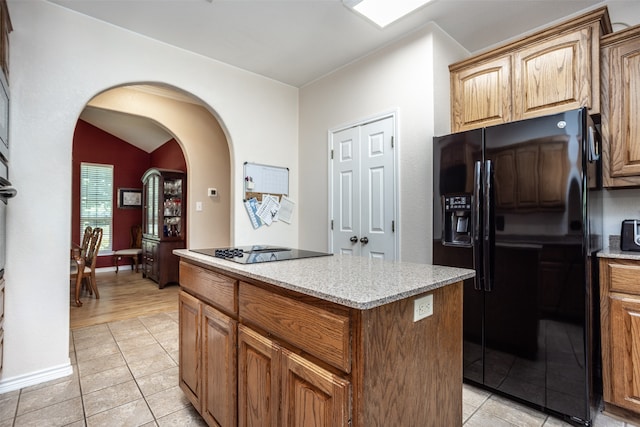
96 200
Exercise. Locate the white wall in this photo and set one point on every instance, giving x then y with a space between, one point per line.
59 61
411 77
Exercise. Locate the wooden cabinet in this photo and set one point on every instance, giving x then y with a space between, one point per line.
553 70
277 384
301 360
258 379
306 385
163 224
621 108
208 342
481 93
301 384
208 360
620 323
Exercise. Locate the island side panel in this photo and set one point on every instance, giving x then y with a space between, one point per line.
412 371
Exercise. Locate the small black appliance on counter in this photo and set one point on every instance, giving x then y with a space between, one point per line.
630 235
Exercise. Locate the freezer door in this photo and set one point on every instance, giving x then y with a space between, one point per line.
454 172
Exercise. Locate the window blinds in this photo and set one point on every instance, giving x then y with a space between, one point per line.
96 200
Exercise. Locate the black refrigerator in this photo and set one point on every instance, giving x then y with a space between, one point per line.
521 204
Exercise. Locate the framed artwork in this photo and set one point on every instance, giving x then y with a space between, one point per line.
129 198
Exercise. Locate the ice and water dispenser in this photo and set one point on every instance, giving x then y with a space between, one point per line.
456 220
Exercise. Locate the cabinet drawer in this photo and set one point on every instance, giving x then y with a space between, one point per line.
319 332
625 277
218 290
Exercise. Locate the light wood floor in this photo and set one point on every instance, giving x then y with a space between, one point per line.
122 296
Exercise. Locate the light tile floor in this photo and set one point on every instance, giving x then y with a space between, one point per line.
126 374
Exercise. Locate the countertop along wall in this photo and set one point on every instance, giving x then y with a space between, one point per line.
59 60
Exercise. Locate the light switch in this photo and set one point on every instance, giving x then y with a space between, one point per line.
198 206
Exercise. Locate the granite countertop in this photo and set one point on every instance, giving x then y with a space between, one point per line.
614 251
355 282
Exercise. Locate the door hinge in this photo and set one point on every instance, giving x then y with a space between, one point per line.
331 154
331 225
392 142
393 226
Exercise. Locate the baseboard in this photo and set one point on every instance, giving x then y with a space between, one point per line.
27 380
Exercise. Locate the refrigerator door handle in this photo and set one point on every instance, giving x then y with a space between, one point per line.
476 226
486 225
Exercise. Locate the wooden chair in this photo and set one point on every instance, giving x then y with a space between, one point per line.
86 237
78 260
134 251
85 264
77 266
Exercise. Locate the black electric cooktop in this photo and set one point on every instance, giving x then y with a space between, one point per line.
258 253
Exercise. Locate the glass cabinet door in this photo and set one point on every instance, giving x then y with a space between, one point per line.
163 215
151 206
172 208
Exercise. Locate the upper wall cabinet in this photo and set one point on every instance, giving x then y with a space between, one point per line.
553 70
621 108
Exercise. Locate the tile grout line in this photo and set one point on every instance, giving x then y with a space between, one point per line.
75 352
135 380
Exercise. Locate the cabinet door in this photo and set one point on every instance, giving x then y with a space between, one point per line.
189 310
621 109
556 75
150 259
219 339
481 95
625 351
258 380
150 206
313 396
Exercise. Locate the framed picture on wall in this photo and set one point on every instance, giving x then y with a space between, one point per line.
129 198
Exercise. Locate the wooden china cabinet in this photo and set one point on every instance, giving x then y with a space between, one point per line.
163 224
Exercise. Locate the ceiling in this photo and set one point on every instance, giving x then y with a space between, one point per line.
298 41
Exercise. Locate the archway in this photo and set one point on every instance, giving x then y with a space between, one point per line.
190 129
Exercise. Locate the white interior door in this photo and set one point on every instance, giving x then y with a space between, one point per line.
346 192
363 190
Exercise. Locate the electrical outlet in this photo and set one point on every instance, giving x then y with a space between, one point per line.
422 307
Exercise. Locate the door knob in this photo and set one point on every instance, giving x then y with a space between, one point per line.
364 240
354 239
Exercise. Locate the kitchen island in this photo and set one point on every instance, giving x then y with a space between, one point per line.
327 341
